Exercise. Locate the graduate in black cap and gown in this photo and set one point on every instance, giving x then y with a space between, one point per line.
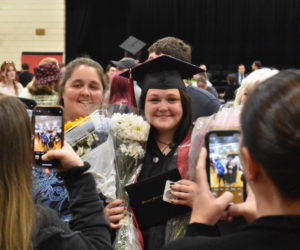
167 108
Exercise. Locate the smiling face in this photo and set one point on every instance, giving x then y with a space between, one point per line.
82 93
163 109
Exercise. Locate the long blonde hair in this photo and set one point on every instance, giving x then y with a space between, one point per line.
16 205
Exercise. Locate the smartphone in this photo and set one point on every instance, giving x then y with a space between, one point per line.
224 170
30 104
48 133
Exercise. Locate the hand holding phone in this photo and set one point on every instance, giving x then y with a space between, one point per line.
224 169
247 209
66 156
48 133
207 209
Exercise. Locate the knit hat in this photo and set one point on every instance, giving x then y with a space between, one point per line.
46 73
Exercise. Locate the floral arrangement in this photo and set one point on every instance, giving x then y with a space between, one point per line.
70 124
86 133
129 133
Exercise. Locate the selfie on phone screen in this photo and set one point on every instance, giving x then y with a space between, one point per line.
224 168
48 132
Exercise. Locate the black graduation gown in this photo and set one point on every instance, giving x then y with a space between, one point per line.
155 163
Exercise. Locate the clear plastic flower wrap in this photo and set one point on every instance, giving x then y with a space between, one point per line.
129 134
176 226
225 119
90 139
187 156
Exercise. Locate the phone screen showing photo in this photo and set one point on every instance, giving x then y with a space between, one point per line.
48 133
224 168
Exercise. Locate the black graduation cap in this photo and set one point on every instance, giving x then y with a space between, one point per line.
133 45
163 72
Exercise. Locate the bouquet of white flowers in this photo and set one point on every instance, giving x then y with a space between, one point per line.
129 133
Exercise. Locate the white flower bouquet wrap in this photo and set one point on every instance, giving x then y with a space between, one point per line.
129 133
90 139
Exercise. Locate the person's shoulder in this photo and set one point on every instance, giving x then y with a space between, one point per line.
28 73
47 226
235 240
25 93
198 92
3 89
47 222
20 86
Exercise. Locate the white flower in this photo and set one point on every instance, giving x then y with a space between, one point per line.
130 126
133 149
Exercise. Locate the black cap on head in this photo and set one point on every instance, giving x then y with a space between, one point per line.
133 45
163 72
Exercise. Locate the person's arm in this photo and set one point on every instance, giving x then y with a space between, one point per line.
206 211
212 106
90 229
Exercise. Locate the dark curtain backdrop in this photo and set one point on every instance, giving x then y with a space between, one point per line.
223 32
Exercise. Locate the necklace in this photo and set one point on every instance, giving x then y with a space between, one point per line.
166 145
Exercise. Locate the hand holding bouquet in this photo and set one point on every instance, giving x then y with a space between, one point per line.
129 133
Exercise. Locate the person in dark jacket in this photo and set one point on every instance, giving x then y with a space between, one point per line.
25 225
25 77
269 153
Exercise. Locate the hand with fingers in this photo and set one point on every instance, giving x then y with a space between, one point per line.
206 208
247 209
184 190
66 156
114 212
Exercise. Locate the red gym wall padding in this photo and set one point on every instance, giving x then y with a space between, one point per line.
33 58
